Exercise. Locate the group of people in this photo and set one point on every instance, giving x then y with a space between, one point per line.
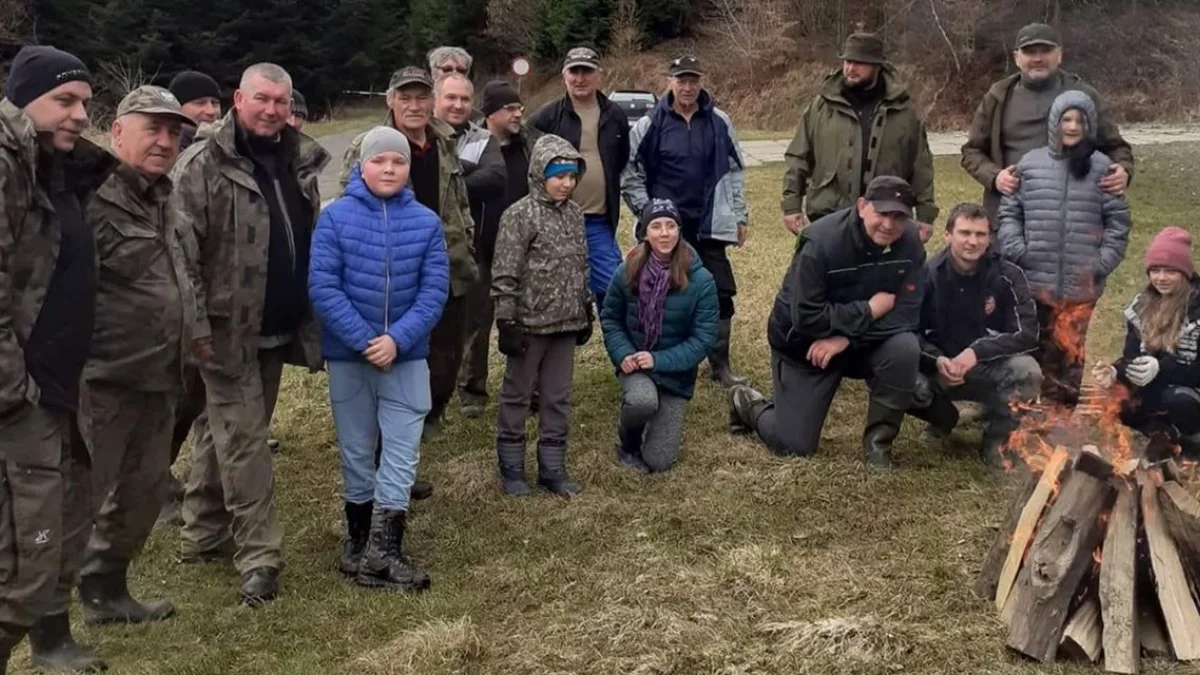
157 289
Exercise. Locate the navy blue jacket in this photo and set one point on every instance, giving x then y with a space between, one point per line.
689 329
377 266
698 165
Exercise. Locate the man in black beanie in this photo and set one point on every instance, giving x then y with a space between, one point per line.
299 111
47 303
200 97
502 110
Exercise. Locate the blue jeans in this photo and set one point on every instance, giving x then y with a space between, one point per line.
368 402
603 254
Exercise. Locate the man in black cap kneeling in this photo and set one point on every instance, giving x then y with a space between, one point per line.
849 307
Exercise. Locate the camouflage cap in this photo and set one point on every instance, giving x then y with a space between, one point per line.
151 100
410 75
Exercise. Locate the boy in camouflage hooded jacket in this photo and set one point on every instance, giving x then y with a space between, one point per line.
543 311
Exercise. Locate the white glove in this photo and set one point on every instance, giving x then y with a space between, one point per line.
1105 375
1142 370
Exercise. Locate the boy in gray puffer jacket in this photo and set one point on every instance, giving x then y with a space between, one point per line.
1067 235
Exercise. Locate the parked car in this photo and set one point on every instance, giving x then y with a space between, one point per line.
635 103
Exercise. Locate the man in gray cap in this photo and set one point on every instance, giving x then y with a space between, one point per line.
849 306
299 111
862 124
150 321
47 307
1011 120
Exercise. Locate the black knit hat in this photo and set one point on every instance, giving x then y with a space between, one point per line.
39 69
496 95
190 85
653 210
299 105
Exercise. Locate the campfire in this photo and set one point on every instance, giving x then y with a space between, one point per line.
1099 556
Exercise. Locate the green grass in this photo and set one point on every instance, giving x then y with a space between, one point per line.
734 563
761 135
348 118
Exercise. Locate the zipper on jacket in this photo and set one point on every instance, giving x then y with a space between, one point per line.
1062 236
287 223
387 274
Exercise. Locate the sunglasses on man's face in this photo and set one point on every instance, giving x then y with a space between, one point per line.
453 69
514 107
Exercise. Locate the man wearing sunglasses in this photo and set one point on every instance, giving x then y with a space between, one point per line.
445 61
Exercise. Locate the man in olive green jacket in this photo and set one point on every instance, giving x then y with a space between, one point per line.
249 183
149 320
48 174
436 177
862 125
1011 120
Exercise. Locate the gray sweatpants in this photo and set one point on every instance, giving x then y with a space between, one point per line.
647 409
997 385
549 364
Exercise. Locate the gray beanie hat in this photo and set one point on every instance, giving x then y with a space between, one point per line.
385 139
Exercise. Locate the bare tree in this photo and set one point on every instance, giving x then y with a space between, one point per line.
750 27
626 28
513 23
14 20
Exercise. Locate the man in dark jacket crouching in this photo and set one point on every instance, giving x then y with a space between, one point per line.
848 307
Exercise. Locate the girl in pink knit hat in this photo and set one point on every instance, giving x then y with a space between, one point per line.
1160 366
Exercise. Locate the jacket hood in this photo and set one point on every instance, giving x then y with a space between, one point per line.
548 148
1066 101
357 188
90 163
223 134
894 91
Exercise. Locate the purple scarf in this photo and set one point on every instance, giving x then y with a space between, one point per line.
653 285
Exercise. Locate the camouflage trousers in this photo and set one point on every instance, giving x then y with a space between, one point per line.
230 494
129 433
45 512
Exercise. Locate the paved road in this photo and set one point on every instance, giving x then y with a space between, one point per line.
758 153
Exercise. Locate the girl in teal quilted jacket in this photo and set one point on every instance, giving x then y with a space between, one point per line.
660 321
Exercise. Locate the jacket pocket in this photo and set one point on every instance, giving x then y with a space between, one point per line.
823 195
126 249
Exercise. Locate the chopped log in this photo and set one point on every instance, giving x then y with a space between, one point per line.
1181 511
1060 557
1031 513
1082 636
993 563
1178 608
1118 584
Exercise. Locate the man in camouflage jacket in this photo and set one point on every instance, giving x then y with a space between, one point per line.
438 182
250 186
148 317
48 173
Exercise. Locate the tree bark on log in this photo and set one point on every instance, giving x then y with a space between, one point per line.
1031 513
1118 585
1174 595
1059 558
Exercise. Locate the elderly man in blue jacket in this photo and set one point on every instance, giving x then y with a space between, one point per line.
686 151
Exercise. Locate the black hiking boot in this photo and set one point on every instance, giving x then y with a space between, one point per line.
259 586
358 527
883 425
552 470
52 647
383 564
718 358
511 458
105 599
745 405
629 449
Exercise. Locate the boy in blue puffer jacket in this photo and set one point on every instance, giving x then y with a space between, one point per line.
378 278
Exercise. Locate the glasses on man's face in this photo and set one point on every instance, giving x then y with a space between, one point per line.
453 69
515 108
